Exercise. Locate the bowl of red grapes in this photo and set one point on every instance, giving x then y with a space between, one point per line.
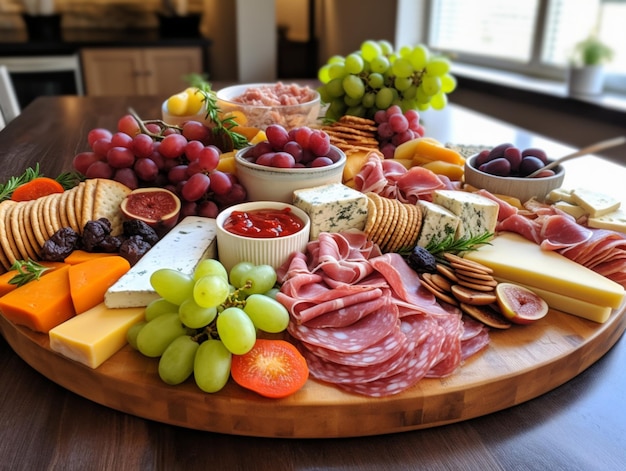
505 170
288 160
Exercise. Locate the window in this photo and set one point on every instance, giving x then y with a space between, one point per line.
531 36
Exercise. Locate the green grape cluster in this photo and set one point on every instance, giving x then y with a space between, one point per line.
200 320
376 77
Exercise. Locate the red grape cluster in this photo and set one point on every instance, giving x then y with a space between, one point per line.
180 160
396 127
299 147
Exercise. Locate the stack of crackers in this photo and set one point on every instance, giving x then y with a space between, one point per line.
391 224
26 225
353 134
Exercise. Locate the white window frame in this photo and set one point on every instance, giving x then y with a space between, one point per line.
535 68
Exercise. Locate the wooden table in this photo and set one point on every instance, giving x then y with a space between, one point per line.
578 426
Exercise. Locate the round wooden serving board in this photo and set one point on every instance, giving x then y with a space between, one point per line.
520 364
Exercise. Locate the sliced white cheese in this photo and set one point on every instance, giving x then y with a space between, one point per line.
615 221
438 223
572 209
560 194
94 336
595 203
192 240
332 208
478 214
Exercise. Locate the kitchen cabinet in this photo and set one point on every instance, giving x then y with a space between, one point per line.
139 71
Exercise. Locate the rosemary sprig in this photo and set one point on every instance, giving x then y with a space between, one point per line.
69 179
451 245
223 126
27 271
6 190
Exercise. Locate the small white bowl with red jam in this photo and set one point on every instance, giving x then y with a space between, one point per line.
261 232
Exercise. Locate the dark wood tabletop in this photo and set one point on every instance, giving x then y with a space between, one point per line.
580 425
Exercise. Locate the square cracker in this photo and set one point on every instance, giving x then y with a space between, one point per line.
109 195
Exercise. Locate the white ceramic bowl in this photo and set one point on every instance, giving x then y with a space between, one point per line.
261 116
233 248
180 120
518 187
264 183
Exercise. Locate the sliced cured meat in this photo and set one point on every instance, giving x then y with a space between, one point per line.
371 177
450 356
475 344
411 370
418 182
353 338
561 231
379 352
349 314
405 282
521 225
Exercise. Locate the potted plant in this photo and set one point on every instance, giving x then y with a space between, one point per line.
586 71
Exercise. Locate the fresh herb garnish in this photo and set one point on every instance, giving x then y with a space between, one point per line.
457 246
222 126
27 271
6 190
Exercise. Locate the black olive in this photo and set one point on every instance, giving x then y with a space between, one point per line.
421 260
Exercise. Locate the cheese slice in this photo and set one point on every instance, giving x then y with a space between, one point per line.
572 209
568 305
190 241
478 214
521 261
615 221
94 336
595 203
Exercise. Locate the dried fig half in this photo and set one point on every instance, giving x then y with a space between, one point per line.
157 207
520 305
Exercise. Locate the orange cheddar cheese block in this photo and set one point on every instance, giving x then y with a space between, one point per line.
81 256
41 304
6 277
518 260
90 280
95 335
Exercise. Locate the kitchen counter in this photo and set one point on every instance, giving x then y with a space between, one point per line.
580 425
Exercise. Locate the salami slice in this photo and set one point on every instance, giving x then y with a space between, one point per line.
352 338
412 369
349 314
450 355
377 353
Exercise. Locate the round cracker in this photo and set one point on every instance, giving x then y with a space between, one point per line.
49 218
6 255
371 217
400 231
35 222
62 207
6 239
487 315
19 233
28 228
70 209
387 222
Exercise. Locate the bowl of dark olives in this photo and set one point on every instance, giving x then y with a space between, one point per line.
505 170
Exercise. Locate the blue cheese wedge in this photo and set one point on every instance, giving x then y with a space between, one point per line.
332 208
478 214
188 243
438 223
595 203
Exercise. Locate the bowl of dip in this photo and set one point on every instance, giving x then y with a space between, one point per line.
262 104
261 232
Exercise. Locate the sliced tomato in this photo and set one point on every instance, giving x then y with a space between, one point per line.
273 368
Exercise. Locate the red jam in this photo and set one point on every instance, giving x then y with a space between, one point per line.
263 223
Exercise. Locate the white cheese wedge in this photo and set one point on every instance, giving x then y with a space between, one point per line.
572 209
438 223
595 203
519 260
332 208
568 305
560 194
94 336
615 221
478 214
192 240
